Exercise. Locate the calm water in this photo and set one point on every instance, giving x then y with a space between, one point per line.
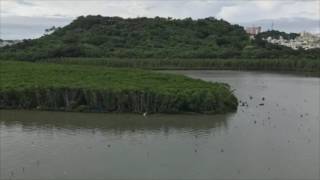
276 140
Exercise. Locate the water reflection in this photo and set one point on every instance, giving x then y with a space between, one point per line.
36 141
48 122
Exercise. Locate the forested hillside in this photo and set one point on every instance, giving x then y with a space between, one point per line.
97 36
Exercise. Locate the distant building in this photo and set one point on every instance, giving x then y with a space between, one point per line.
254 30
305 41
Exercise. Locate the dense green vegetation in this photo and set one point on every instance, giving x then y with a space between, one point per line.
276 35
97 36
299 65
91 88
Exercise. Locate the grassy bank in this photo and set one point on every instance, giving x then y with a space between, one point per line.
297 65
99 89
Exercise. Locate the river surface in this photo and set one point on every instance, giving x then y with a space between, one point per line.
273 135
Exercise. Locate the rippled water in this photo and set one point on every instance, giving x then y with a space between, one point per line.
277 137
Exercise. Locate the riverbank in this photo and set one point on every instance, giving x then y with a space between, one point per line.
43 86
291 65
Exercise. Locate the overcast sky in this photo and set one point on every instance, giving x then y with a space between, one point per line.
28 18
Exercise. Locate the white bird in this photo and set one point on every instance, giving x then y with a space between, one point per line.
144 114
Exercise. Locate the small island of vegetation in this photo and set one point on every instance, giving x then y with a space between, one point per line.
98 89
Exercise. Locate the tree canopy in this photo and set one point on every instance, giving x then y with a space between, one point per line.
97 36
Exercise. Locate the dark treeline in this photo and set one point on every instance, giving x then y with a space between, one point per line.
84 100
97 36
299 65
274 34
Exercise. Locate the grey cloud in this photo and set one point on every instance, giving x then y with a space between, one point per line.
19 27
25 2
294 24
31 21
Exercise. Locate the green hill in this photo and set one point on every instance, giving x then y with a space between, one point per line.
97 36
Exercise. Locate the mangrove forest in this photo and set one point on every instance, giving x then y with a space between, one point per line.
45 86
